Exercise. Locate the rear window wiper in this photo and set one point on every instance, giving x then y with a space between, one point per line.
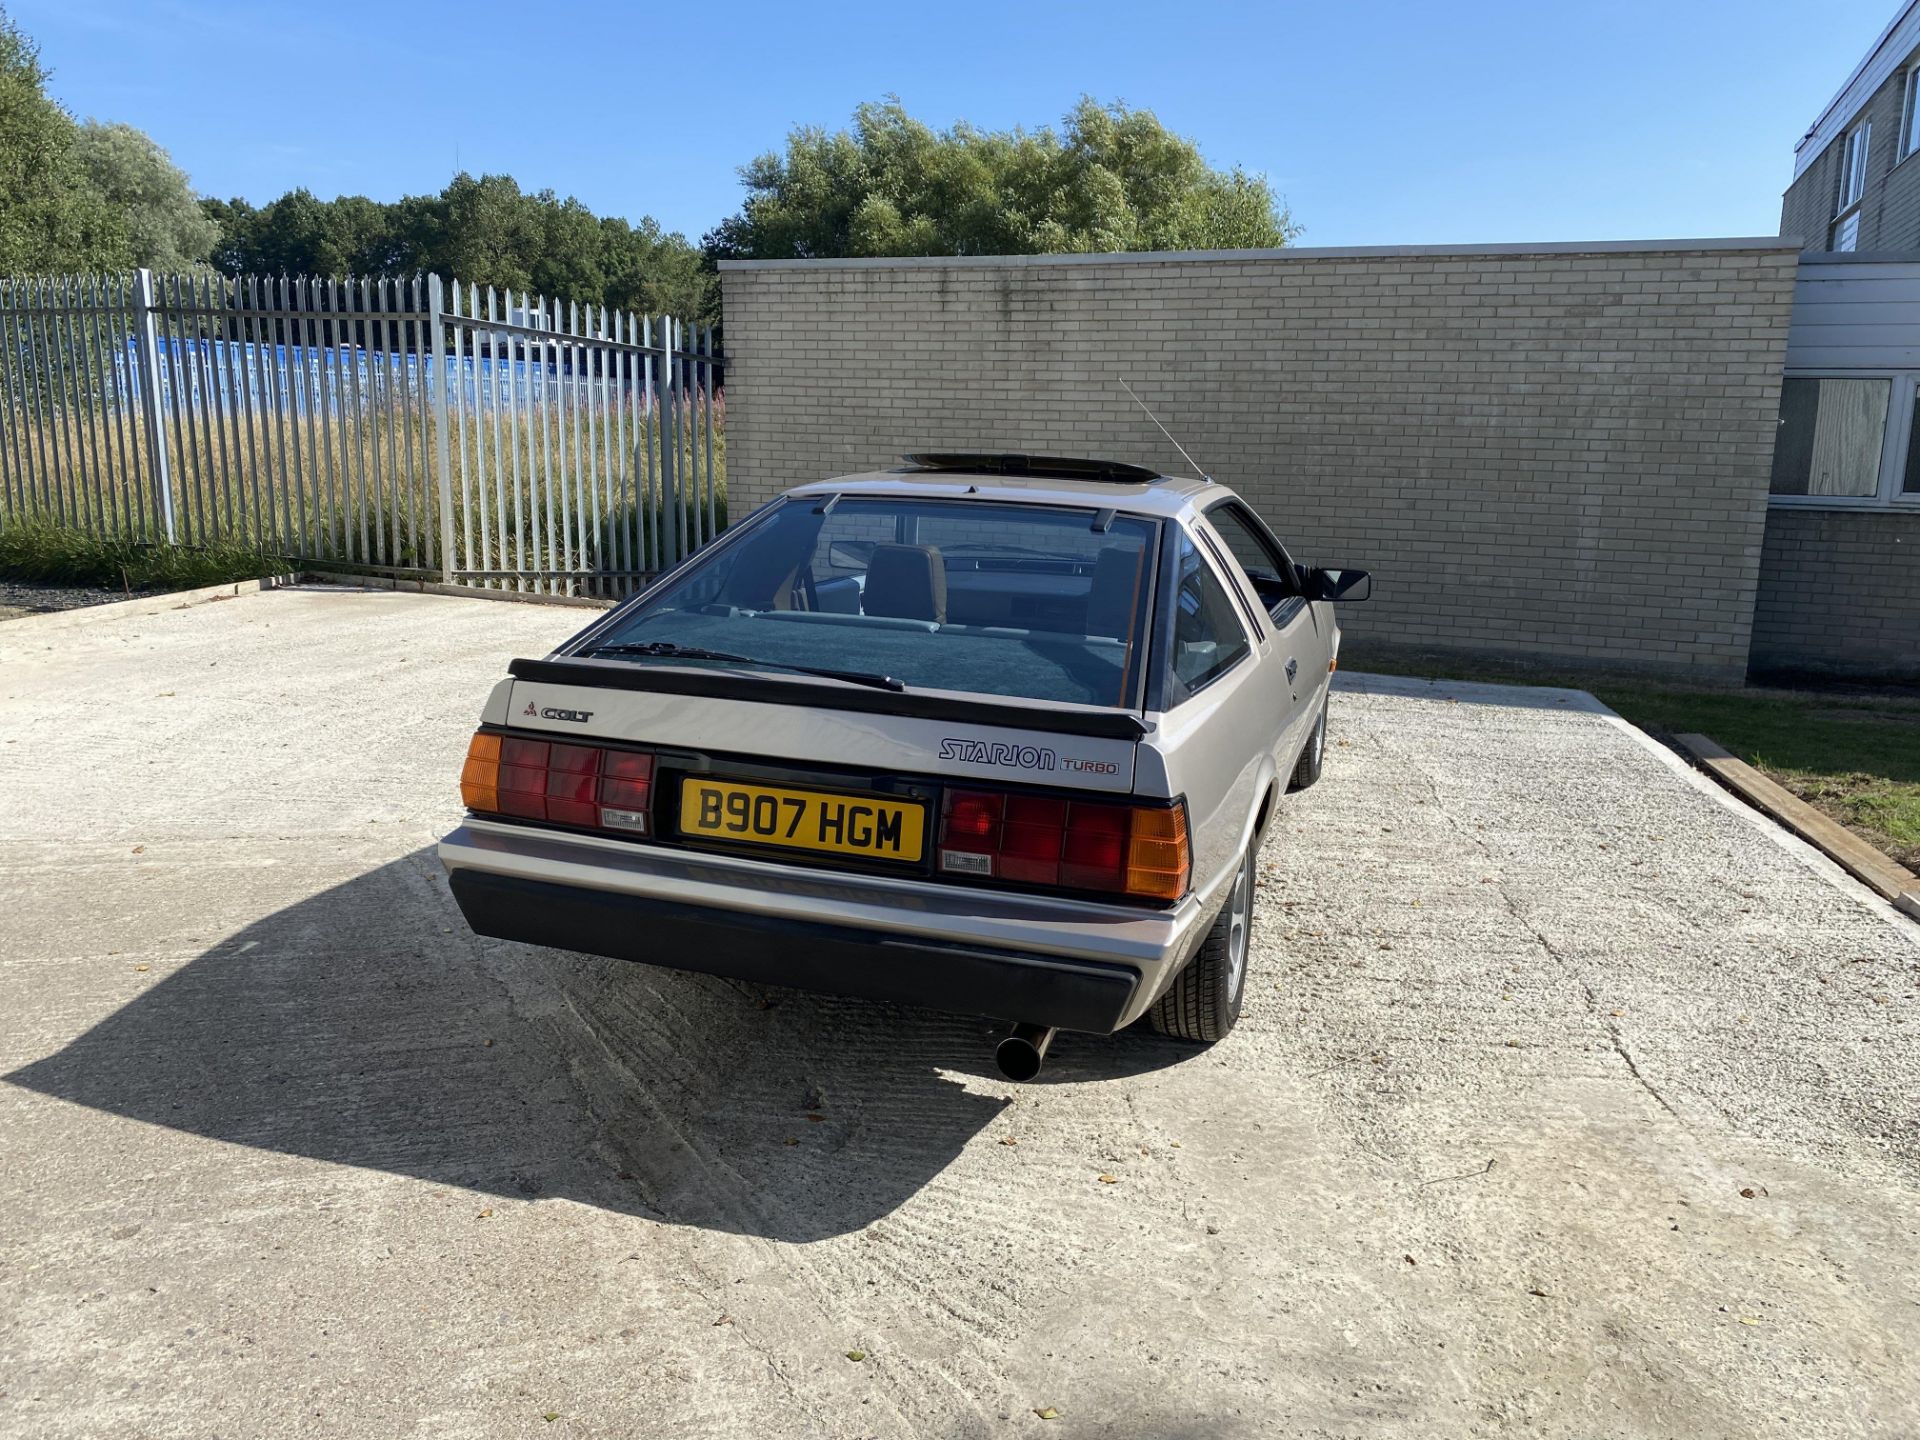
667 650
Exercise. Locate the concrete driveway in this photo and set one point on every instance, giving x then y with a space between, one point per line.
1569 1099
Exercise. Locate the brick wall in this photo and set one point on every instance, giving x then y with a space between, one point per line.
1806 210
1840 593
1559 452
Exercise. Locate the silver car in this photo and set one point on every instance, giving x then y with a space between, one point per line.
997 734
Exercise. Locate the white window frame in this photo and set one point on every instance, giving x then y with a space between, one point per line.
1909 115
1901 394
1856 150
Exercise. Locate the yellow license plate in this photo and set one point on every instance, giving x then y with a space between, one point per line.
802 819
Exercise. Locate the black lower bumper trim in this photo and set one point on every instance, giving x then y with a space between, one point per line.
836 959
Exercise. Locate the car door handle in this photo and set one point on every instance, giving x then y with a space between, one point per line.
1293 667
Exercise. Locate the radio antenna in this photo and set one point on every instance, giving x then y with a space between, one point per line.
1164 431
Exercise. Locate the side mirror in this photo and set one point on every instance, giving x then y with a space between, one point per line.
1339 584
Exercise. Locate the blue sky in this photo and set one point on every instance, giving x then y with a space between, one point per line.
1388 123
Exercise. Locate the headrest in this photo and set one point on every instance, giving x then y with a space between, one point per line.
906 581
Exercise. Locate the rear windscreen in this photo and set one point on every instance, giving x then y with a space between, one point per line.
996 599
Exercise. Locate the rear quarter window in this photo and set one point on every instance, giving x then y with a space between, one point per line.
1207 637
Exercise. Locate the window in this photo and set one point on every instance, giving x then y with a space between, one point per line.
1910 481
1853 168
1268 569
1208 638
1846 234
1832 435
975 596
1910 115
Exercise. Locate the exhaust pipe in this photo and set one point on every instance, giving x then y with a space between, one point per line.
1022 1053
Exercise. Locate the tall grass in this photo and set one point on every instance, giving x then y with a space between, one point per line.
46 552
548 484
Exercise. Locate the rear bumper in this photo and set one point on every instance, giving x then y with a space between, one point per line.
1078 965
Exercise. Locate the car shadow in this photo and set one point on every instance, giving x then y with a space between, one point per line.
367 1026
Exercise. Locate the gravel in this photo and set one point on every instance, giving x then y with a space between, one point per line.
20 597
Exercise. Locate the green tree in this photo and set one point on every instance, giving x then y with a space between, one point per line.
652 272
1112 178
299 234
151 195
484 231
51 216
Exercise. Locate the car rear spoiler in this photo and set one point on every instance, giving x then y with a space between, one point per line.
765 690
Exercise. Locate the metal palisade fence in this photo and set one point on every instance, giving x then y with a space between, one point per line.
407 427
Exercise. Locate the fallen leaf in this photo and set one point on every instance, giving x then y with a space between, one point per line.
791 1140
1047 1412
1410 1260
1541 1293
1109 1179
724 1320
551 1416
1008 1140
139 849
143 967
856 1356
1749 1320
488 1042
484 1214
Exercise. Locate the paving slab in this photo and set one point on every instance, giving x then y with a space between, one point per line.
1570 1098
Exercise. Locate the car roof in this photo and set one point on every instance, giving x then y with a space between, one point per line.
1163 495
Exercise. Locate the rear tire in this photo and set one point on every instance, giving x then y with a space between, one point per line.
1307 768
1204 1000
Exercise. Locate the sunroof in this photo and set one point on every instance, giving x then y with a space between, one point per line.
1049 467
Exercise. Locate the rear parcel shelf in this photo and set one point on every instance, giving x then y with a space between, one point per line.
826 695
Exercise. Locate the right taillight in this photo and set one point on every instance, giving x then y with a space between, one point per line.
1158 861
583 785
1137 850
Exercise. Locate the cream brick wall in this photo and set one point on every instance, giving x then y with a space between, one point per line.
1560 452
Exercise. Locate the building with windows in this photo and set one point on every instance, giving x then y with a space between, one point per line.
1840 576
1853 188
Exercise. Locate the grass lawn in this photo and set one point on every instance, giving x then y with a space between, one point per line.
1854 752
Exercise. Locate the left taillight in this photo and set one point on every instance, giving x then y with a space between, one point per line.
582 785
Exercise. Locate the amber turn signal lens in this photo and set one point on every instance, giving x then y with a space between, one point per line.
480 776
1158 858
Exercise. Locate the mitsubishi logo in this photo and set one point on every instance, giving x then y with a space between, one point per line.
554 712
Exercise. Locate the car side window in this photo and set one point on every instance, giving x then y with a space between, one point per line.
1208 636
1266 567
